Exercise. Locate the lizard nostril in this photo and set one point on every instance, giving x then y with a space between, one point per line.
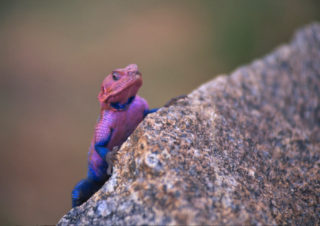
133 73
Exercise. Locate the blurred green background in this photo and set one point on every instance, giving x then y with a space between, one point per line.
54 55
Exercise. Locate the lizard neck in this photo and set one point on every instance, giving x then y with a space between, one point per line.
121 107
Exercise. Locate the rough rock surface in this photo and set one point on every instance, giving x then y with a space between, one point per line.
241 149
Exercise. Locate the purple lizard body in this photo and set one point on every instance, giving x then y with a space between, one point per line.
121 112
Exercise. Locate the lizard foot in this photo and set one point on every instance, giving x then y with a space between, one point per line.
110 159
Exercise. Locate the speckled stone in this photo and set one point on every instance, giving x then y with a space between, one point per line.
241 149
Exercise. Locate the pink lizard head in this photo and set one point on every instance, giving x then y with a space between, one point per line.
120 85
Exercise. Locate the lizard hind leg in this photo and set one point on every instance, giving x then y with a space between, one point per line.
84 190
96 177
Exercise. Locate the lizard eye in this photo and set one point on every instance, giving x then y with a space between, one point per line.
115 76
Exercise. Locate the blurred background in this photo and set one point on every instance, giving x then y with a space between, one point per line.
55 54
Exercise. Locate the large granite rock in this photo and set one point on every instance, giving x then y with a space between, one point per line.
241 149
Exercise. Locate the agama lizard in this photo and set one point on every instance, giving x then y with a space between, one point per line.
121 112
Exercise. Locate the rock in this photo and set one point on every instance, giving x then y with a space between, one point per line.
241 149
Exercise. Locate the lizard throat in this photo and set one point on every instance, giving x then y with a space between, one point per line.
122 107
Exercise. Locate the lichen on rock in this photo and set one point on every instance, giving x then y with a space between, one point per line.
240 149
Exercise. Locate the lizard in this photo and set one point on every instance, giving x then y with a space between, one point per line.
121 112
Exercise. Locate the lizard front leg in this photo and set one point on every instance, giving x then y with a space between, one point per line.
101 142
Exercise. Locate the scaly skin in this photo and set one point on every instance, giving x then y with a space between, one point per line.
121 112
